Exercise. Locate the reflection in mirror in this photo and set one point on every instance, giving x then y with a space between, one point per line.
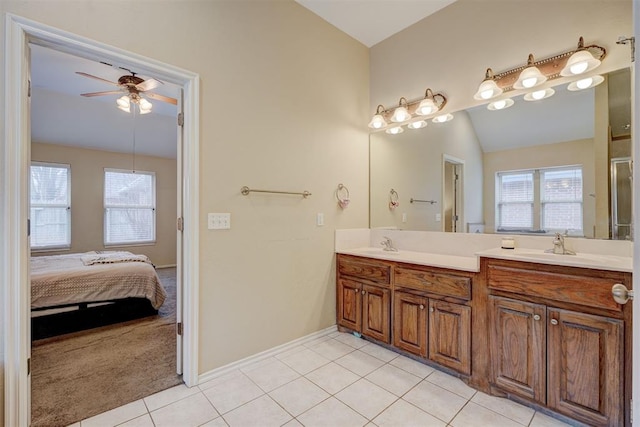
559 164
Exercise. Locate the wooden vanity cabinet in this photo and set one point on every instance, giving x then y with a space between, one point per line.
559 342
444 335
364 297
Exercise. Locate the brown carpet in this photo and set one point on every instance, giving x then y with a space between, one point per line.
82 374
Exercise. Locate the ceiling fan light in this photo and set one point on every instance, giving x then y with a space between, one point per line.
586 83
123 102
145 104
580 62
145 110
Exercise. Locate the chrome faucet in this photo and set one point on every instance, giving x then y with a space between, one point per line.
388 245
558 246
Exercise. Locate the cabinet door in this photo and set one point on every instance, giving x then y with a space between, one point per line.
349 305
376 309
410 323
585 367
450 335
518 347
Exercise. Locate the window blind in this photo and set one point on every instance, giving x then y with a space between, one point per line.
50 210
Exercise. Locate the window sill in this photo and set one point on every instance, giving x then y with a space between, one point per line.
50 249
128 245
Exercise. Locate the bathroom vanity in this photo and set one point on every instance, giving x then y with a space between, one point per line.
549 336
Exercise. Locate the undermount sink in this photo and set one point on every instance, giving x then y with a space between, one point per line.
376 251
580 258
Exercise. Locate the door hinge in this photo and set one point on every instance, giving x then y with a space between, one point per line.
28 227
29 90
179 328
180 224
631 411
29 366
180 119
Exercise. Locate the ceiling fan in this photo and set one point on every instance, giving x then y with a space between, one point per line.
132 86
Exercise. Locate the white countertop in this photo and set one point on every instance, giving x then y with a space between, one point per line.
472 263
584 260
462 263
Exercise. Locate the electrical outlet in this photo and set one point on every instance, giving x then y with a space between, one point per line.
219 221
438 217
404 217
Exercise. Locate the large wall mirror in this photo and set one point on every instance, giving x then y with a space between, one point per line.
557 164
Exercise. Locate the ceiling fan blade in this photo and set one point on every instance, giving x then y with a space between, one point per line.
97 78
162 98
148 84
110 92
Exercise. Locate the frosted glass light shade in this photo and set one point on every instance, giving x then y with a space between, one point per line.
488 89
539 94
426 107
580 62
530 77
443 118
400 114
395 130
500 104
417 125
585 83
123 103
377 122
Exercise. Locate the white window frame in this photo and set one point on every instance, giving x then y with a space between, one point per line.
67 206
152 207
498 203
538 204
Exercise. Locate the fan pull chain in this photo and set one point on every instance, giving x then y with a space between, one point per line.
133 167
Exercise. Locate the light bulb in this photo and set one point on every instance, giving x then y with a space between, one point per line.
400 114
486 94
579 68
442 118
123 101
377 122
395 130
417 125
426 107
529 82
539 94
499 105
584 83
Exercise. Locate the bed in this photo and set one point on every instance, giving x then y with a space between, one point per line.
61 283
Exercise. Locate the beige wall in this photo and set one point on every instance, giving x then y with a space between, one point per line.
87 183
284 106
412 164
579 152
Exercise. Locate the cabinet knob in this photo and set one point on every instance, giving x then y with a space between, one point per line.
554 322
536 317
432 309
421 307
364 292
621 294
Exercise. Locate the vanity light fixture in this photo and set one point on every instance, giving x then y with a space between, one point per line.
417 125
378 121
412 113
586 83
443 118
536 72
401 113
500 104
537 95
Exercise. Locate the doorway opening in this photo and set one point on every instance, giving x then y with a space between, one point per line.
16 245
452 201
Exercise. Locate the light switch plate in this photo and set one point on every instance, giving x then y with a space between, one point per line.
438 218
320 219
219 221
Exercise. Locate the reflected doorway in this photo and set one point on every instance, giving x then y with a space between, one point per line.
452 195
621 198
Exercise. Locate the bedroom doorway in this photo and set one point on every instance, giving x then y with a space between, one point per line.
21 32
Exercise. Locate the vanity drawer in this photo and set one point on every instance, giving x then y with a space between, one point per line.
590 291
448 285
360 269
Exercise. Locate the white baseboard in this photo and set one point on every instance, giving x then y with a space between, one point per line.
217 372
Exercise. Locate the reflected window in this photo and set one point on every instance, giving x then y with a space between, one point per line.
540 201
50 209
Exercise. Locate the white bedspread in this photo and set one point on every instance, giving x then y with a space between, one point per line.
65 279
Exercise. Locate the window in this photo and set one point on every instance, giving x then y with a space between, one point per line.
540 200
129 207
50 206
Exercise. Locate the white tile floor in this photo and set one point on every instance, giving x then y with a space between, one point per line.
338 380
